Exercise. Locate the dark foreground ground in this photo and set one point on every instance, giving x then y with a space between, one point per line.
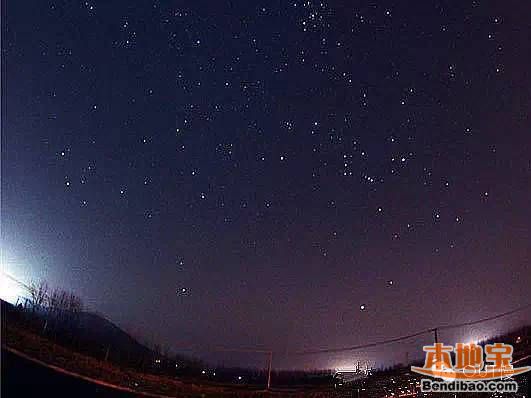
23 378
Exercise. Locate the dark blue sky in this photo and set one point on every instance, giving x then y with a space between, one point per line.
245 173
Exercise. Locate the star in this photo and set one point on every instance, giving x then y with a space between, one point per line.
177 128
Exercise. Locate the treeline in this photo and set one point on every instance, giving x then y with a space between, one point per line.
60 304
60 316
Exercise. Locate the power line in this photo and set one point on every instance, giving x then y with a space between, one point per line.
491 318
409 336
351 348
357 347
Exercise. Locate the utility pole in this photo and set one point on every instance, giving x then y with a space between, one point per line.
436 335
269 369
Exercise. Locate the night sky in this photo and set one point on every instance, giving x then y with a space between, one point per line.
270 174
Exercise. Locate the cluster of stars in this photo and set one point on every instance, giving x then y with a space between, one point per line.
298 130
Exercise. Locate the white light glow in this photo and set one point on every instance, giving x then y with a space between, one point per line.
13 278
10 289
